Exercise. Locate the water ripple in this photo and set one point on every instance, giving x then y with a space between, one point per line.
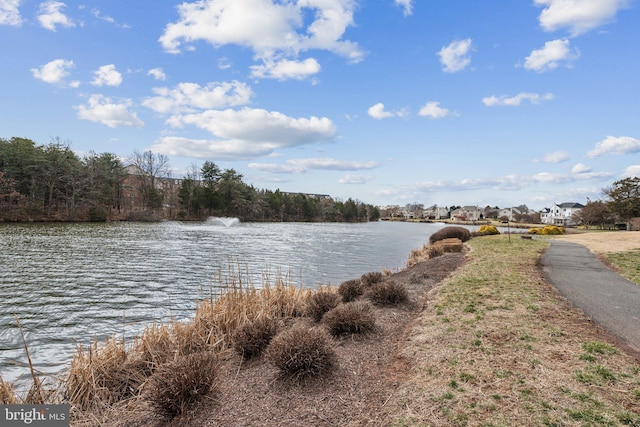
71 283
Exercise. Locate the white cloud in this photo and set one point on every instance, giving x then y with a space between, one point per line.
9 13
54 71
356 179
555 157
455 56
432 109
157 73
210 148
107 18
615 145
549 57
190 97
107 75
274 30
580 169
406 5
102 110
224 63
286 69
579 16
304 165
631 171
378 112
515 101
245 133
50 15
332 164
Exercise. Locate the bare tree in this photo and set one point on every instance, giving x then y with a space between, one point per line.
150 166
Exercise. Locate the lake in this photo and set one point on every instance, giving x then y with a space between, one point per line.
69 283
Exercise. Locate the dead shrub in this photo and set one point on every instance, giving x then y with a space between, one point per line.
369 279
350 290
250 339
355 317
450 232
302 352
323 300
388 293
176 386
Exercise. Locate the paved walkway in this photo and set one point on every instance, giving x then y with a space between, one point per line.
606 297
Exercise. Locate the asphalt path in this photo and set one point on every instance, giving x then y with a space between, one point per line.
602 294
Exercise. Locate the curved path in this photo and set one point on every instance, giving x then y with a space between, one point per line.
606 297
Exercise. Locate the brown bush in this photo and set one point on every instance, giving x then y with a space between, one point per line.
388 293
302 352
369 279
350 290
450 232
323 300
352 318
177 386
250 339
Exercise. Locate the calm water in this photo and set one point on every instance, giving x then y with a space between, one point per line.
68 283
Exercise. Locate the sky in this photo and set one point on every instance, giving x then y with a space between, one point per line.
447 102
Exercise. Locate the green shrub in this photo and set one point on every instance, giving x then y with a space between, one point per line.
252 338
350 290
302 352
352 318
388 293
176 386
321 301
486 230
450 232
369 279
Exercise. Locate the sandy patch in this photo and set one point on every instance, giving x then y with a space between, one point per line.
606 241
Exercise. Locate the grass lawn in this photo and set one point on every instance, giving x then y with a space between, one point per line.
626 263
498 346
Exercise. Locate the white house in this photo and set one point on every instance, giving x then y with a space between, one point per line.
560 214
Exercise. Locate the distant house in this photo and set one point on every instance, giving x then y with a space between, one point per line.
466 213
436 212
509 213
561 214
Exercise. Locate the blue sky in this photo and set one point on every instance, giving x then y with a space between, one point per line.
442 102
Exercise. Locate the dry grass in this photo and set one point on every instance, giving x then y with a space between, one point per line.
497 345
7 393
112 375
603 242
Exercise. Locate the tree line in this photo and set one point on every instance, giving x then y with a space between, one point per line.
52 183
